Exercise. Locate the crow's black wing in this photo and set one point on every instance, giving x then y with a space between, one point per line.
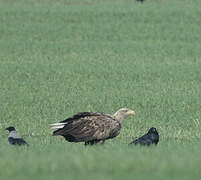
17 141
144 140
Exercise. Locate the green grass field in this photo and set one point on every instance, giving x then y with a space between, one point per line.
60 57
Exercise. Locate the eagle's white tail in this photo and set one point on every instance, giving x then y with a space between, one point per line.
57 125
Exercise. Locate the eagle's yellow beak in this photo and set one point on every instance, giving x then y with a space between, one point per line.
131 112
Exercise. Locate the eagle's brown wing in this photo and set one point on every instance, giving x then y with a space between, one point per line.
89 126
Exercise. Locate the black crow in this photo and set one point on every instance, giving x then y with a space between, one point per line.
140 1
152 137
14 138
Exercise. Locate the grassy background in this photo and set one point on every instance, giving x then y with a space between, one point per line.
61 57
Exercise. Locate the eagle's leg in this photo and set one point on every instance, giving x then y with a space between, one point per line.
94 142
87 143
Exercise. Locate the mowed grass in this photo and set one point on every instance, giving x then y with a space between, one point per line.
61 57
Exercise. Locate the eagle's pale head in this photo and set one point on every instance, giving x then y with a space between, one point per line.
123 113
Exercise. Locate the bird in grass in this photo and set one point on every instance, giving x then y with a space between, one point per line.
92 127
152 137
14 138
140 1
